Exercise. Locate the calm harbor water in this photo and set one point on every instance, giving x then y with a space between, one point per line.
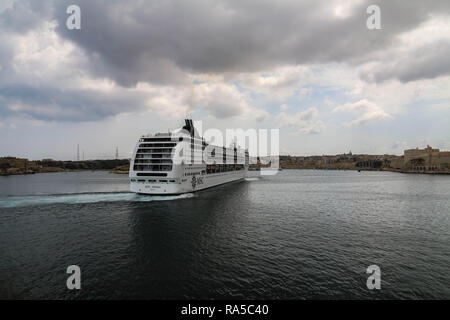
300 234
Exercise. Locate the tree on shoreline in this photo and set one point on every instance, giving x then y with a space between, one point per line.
4 166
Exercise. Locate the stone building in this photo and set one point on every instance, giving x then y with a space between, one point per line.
396 162
427 159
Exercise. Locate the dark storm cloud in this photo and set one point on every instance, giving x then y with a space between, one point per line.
156 41
25 15
49 103
425 63
134 38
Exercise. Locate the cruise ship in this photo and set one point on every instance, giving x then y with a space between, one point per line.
181 161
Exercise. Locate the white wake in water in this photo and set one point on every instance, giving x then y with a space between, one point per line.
20 201
252 179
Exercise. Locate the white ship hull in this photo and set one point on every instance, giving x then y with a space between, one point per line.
186 184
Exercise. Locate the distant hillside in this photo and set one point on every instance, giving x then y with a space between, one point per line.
12 165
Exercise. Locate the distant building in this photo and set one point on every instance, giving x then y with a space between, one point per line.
396 162
427 159
373 164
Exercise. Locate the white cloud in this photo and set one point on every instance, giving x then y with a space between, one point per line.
284 107
42 55
278 84
219 99
305 121
305 93
343 10
224 100
366 110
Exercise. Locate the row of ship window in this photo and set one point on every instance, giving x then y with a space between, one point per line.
197 142
223 168
139 167
153 180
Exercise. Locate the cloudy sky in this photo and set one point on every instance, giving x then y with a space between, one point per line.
311 68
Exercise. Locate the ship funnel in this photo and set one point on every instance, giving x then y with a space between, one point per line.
189 126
